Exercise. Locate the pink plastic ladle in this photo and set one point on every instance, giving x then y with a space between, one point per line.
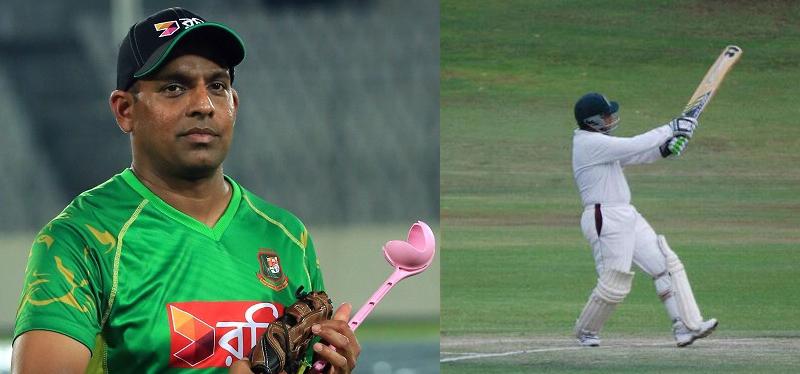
409 257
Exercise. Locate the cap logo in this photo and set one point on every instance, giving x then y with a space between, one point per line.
170 27
189 22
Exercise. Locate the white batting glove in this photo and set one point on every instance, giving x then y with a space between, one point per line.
683 126
674 146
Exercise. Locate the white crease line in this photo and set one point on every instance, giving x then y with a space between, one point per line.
460 353
485 355
472 355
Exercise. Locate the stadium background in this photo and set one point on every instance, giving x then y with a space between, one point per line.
338 123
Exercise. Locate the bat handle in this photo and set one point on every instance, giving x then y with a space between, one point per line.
366 309
692 113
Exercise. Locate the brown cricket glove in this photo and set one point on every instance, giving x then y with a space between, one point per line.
283 346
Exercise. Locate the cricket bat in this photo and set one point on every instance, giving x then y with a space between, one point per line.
710 83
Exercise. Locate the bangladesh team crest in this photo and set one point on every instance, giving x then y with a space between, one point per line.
270 272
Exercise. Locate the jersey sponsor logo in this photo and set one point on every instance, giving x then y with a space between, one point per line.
206 334
270 272
170 27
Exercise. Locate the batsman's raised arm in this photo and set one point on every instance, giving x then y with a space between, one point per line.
597 117
600 148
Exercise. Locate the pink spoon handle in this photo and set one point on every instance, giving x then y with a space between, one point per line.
409 257
366 309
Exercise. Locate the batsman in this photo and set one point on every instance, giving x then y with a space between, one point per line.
618 234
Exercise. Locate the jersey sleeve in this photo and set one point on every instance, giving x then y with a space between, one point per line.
312 266
646 157
628 150
61 291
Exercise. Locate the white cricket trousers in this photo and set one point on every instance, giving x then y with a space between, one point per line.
620 236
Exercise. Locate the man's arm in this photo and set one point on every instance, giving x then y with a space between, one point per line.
682 129
609 148
641 148
646 157
56 322
41 351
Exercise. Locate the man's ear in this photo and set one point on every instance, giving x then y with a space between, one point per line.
121 103
235 95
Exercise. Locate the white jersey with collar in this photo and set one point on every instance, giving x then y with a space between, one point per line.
597 161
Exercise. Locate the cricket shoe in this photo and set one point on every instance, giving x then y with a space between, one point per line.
684 336
589 340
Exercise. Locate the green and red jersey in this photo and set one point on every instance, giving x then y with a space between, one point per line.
148 288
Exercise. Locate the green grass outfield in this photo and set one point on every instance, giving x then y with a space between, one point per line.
516 269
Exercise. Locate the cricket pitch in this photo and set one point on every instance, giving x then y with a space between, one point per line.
619 354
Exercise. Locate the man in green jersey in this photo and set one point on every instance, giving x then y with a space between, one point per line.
169 266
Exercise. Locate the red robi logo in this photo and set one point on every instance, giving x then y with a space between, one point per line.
206 334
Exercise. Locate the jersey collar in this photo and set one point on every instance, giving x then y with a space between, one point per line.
212 232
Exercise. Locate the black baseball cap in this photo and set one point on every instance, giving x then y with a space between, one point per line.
593 104
150 41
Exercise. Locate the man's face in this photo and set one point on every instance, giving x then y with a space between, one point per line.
611 120
183 117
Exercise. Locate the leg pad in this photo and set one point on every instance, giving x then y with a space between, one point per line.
611 289
682 291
